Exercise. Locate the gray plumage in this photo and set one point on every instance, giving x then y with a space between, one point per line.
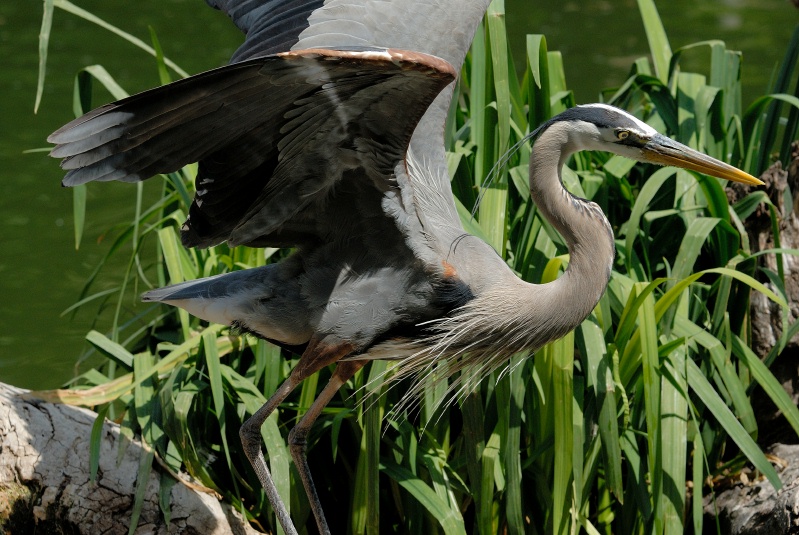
326 134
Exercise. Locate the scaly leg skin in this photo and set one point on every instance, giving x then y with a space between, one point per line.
318 354
250 434
298 435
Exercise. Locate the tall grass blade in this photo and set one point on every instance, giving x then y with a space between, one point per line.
79 212
488 520
474 444
772 119
767 382
562 355
695 237
495 21
593 348
110 349
514 510
700 385
278 456
674 411
69 7
652 402
145 467
44 42
719 356
697 477
172 252
656 36
446 514
95 442
217 394
539 109
163 73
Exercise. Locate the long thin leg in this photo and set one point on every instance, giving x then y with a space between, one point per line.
298 436
318 355
250 434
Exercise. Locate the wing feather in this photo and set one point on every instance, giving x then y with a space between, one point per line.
273 135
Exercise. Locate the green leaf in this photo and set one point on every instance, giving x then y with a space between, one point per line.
104 77
217 393
538 81
656 36
693 241
82 13
79 212
652 401
592 347
110 349
446 514
674 414
648 192
96 442
562 355
44 42
719 356
142 478
700 385
767 382
163 73
490 463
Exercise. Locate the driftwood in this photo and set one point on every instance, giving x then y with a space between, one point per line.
766 315
754 507
45 487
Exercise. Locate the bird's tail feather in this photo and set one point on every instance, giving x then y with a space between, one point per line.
200 288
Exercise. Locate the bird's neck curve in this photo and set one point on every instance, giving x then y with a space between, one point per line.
582 224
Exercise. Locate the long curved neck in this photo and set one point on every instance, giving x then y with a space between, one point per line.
582 224
507 314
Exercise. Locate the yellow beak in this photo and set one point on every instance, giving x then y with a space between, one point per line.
664 151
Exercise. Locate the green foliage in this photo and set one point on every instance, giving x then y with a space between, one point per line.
604 431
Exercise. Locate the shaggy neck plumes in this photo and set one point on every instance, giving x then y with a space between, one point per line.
509 315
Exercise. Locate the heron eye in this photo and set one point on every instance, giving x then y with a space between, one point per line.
622 134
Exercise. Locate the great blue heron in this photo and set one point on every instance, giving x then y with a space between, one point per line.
326 133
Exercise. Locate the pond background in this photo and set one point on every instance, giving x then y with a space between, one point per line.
41 273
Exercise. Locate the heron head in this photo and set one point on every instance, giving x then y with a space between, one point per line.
611 129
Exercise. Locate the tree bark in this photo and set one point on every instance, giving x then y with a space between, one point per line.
45 486
754 507
767 316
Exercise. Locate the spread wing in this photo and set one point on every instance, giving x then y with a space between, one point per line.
273 136
442 28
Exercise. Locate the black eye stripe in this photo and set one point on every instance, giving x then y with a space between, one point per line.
629 137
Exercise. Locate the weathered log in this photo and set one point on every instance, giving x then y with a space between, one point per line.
767 316
45 485
754 507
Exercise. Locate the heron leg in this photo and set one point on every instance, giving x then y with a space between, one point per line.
317 355
298 436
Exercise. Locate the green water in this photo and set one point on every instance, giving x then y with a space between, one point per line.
41 273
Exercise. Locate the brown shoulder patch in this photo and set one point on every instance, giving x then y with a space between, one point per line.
449 270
